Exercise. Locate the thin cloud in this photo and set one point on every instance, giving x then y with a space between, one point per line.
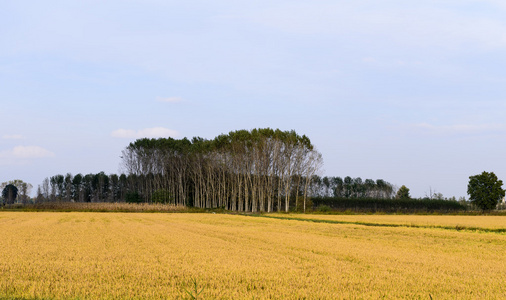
169 99
155 132
26 152
12 137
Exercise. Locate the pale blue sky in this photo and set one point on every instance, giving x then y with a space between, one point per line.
412 92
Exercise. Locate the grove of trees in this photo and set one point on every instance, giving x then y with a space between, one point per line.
257 170
250 171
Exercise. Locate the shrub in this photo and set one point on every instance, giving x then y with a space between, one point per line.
162 196
324 208
133 197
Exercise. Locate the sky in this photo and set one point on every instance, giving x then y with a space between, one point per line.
412 92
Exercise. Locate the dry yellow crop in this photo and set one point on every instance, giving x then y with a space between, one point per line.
158 256
104 206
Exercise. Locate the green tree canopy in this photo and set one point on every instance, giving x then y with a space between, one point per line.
485 190
403 193
245 170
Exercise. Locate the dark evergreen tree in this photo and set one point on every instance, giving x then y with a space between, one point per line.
9 194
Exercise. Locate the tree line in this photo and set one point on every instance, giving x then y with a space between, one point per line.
250 171
258 170
90 188
135 188
337 187
261 170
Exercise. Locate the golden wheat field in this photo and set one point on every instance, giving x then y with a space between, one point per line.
84 255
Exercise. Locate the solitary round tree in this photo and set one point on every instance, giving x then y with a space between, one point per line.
485 190
403 193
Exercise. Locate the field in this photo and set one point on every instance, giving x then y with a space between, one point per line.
89 255
476 223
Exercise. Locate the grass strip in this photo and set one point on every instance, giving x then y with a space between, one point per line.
456 228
